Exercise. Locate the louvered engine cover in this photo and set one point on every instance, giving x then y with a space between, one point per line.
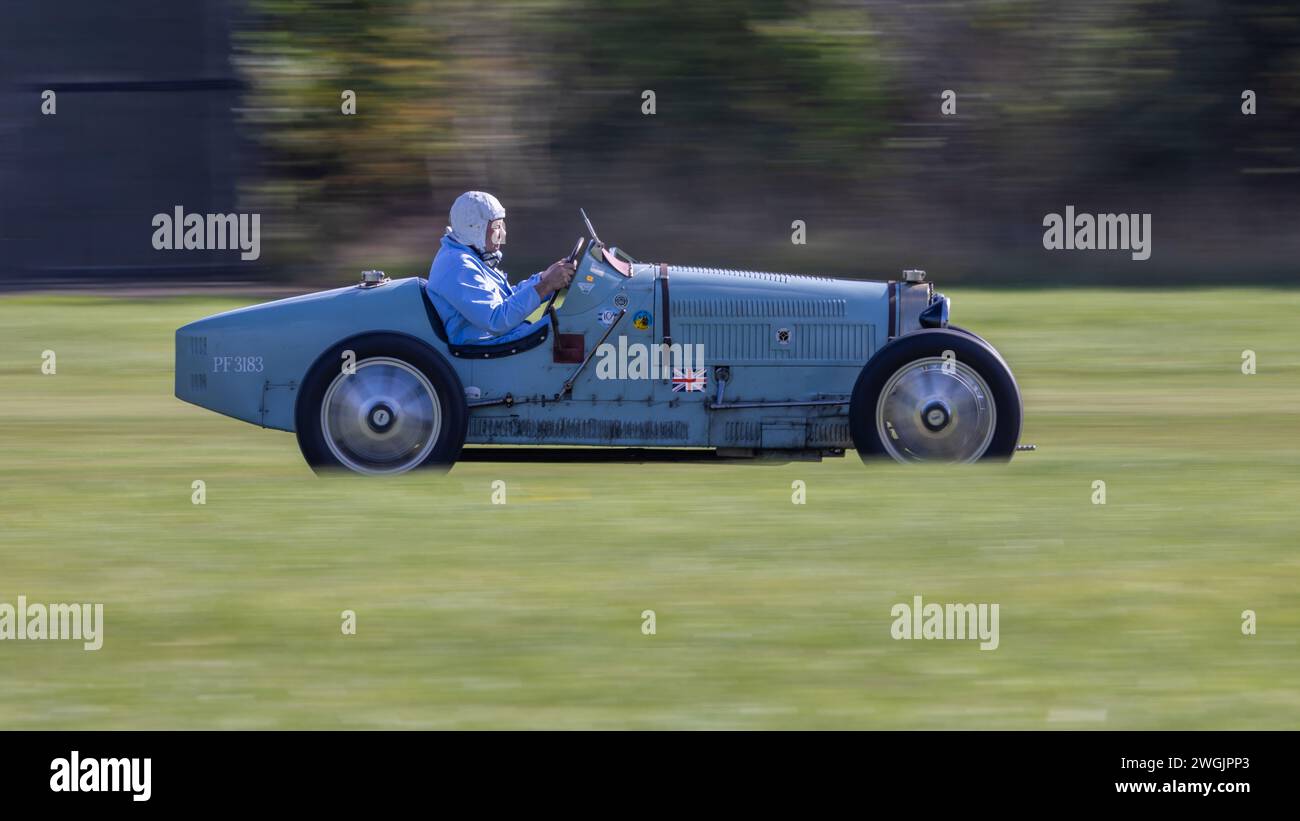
757 317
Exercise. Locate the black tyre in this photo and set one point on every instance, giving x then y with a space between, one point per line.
959 329
939 395
400 408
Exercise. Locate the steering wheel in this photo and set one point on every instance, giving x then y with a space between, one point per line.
571 258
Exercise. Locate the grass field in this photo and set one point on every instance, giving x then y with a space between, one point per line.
769 614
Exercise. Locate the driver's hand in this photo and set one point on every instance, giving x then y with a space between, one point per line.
558 276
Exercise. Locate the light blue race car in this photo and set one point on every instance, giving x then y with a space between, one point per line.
644 361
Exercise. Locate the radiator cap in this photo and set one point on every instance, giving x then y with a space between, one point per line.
914 275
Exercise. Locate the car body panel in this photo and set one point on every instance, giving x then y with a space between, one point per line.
780 339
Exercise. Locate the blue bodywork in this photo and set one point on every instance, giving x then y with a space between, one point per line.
790 347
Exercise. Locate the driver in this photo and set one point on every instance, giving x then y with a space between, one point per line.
471 293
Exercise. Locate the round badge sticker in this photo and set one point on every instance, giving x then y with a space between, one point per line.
620 300
641 321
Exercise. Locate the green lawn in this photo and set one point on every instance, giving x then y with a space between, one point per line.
473 615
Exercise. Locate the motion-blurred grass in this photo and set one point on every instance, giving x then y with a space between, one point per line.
769 614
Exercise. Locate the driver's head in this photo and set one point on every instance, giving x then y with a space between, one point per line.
478 220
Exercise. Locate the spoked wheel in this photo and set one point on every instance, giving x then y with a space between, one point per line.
936 396
401 407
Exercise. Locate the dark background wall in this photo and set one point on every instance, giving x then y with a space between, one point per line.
767 112
144 122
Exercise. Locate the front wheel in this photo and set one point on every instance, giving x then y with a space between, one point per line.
936 396
381 404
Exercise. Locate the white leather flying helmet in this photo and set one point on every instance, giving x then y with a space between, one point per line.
471 214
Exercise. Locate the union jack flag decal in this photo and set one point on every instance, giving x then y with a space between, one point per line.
689 379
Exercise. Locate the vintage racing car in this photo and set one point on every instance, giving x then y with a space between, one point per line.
647 360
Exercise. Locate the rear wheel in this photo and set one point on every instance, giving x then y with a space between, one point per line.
399 406
936 396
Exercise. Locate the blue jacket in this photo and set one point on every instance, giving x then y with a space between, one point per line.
476 302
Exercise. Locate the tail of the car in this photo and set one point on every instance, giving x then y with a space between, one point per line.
249 363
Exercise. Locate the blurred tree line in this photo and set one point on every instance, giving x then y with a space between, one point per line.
772 111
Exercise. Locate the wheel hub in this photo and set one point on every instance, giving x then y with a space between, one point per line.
383 418
935 416
936 409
